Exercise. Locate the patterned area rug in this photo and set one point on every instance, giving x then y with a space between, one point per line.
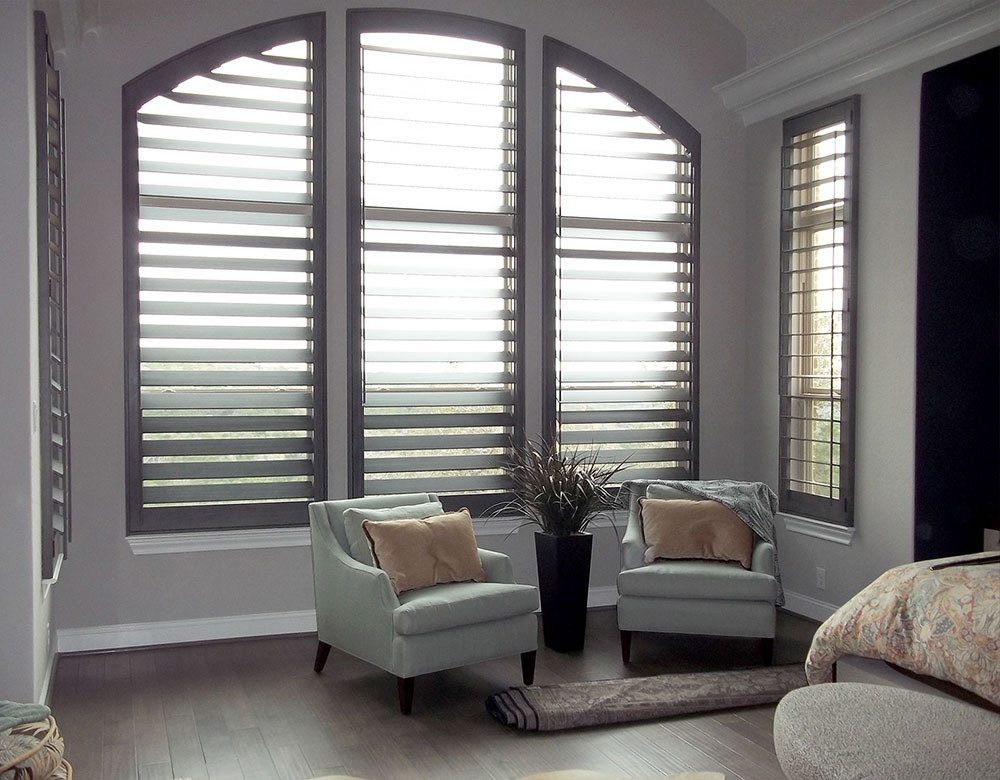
572 705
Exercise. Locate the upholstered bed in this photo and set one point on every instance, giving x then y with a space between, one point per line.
937 618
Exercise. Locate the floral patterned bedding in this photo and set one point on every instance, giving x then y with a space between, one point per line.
944 623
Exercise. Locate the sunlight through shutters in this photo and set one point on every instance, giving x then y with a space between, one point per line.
624 273
438 263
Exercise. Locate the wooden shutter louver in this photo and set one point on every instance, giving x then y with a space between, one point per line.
817 276
624 283
439 239
229 288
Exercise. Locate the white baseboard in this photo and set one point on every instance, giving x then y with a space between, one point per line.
807 606
168 632
603 596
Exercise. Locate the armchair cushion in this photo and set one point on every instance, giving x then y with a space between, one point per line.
461 603
694 529
354 517
418 553
697 580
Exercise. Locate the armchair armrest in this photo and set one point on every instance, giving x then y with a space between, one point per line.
633 546
497 566
354 602
763 558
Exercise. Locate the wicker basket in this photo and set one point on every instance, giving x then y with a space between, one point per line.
33 751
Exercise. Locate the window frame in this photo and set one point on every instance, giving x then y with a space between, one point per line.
556 54
158 80
839 511
359 21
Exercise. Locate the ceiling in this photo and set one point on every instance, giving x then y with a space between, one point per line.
771 27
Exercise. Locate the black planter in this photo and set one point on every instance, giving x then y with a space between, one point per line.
563 585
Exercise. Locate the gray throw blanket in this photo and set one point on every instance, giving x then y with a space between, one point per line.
753 502
13 714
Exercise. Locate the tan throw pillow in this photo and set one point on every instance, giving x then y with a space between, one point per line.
420 553
679 528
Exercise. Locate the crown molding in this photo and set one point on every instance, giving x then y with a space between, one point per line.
879 43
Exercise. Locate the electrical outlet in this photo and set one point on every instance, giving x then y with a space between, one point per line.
820 578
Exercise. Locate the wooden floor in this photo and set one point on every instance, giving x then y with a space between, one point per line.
252 709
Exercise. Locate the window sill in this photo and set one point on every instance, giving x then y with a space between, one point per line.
202 541
817 529
265 538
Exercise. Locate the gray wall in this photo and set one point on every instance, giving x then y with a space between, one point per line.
889 133
24 607
677 49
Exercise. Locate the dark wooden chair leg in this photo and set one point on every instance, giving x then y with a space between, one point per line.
321 654
768 650
405 687
626 646
528 666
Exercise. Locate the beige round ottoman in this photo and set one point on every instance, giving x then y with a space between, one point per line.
851 731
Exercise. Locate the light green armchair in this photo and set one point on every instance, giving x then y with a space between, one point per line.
693 596
418 631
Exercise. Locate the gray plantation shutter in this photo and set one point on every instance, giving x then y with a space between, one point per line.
439 239
818 280
228 286
624 266
53 375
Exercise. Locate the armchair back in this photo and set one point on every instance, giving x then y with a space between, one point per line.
331 513
633 546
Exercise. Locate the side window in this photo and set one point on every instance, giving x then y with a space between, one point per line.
224 258
818 310
52 375
435 234
622 266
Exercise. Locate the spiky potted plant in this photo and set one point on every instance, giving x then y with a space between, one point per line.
561 490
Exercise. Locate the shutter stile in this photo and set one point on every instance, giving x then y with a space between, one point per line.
438 265
227 312
624 284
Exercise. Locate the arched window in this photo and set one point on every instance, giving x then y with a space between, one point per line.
435 187
622 268
224 262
